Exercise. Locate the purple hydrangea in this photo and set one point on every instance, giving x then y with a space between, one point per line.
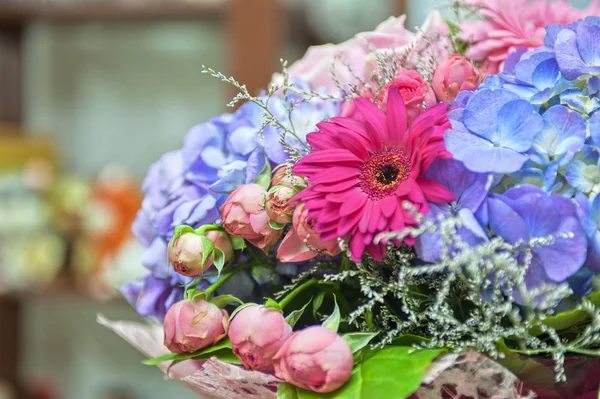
526 212
471 190
186 187
577 47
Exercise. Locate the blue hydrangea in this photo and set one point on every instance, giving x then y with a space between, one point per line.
577 48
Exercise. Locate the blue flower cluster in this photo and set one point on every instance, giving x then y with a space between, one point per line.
526 147
186 187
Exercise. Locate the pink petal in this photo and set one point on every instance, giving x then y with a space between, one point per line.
293 249
435 192
341 196
366 217
334 174
373 115
348 223
416 194
396 116
389 205
353 204
376 216
336 186
321 141
377 251
357 248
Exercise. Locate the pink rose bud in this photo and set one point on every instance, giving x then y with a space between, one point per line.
222 242
278 205
192 325
243 215
415 92
315 358
453 76
302 242
186 254
281 177
257 333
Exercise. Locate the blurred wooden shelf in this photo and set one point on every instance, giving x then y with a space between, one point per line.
71 295
13 13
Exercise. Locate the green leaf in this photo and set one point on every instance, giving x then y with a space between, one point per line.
273 304
394 372
454 29
222 350
194 293
223 300
276 226
318 301
357 341
180 230
168 357
219 260
369 318
565 320
409 340
208 248
286 391
525 368
333 321
294 316
264 177
237 242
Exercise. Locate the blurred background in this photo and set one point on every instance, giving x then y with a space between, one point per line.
91 93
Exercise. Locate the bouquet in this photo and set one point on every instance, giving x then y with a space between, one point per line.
399 214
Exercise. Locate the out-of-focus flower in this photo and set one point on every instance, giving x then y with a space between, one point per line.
302 242
453 76
415 92
510 24
315 358
193 325
527 212
496 130
361 171
243 215
390 37
471 190
257 333
589 215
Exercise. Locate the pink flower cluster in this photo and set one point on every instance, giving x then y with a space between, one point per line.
314 358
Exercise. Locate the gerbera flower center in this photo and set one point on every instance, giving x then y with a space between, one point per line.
383 172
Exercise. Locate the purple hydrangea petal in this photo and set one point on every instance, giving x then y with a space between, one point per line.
594 128
512 60
567 55
481 113
256 163
518 124
588 43
505 222
143 229
155 259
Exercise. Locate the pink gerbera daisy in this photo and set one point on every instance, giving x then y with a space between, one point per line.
360 171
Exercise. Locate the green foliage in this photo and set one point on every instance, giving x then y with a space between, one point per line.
393 372
221 350
223 300
273 304
333 321
357 341
294 316
264 177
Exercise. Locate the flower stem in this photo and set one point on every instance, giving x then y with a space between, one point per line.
210 290
290 297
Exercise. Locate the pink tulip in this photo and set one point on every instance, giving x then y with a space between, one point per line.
453 76
243 215
186 252
257 333
315 358
192 325
278 204
302 242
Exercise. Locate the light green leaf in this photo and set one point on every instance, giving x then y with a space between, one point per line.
318 301
565 320
357 341
286 391
264 177
276 226
223 300
180 230
240 308
369 318
237 242
194 293
333 321
208 248
168 357
272 304
294 316
454 29
409 340
219 260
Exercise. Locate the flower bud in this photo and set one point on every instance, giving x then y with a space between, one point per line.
243 215
278 205
257 333
453 76
221 241
192 325
186 253
315 358
302 242
281 177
